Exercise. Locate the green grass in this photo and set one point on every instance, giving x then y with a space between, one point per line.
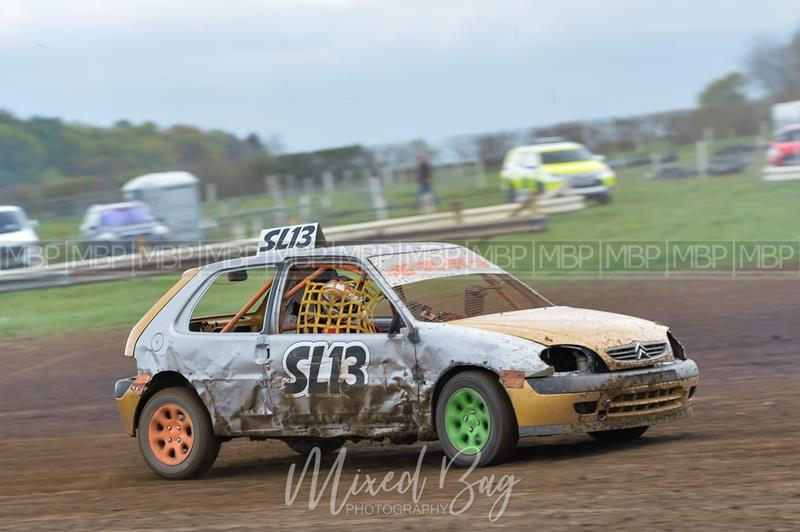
96 306
58 230
740 207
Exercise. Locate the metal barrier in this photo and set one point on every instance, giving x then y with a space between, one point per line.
780 173
458 224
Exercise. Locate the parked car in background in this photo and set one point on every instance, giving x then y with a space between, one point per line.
785 149
19 243
553 166
119 226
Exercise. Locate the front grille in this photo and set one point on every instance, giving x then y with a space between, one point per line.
579 181
12 251
649 402
638 351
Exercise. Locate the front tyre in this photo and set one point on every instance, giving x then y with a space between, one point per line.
474 415
603 198
618 435
511 195
175 435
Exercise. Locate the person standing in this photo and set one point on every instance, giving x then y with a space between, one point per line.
426 198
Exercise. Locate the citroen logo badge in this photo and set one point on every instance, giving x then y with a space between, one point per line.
639 350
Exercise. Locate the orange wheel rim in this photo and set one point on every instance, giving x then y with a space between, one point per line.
171 434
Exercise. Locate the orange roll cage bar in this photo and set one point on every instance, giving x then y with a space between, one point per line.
296 288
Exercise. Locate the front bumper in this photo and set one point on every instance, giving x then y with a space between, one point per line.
128 393
589 191
570 403
16 256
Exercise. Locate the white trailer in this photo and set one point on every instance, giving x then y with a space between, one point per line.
784 114
174 197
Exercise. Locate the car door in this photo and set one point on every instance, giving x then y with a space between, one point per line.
340 372
229 366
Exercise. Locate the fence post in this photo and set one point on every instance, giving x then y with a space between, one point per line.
291 185
655 160
702 158
211 192
304 202
238 231
304 205
480 176
388 176
275 192
328 188
255 226
378 201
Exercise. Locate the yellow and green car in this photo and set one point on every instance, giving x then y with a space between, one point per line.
557 167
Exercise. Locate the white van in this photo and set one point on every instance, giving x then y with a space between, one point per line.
19 243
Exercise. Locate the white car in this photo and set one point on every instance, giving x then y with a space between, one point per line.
316 345
19 243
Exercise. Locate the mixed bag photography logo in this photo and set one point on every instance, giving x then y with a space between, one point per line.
398 493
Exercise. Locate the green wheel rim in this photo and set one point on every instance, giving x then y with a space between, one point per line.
467 421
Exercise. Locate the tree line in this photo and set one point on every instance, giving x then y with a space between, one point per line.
43 157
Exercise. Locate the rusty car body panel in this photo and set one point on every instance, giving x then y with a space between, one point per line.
248 381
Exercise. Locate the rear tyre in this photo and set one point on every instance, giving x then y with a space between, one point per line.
175 435
474 415
304 446
619 434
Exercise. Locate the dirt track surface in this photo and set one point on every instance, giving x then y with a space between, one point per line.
65 462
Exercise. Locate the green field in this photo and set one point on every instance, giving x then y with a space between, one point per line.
740 207
96 306
715 208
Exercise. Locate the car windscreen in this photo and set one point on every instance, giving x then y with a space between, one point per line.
465 296
10 222
125 216
565 156
788 136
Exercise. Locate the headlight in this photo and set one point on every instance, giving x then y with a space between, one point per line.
605 174
569 358
106 236
160 230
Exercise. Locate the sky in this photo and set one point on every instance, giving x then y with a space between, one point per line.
322 73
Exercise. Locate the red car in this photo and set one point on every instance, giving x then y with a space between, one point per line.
785 149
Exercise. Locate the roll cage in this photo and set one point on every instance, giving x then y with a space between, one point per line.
269 299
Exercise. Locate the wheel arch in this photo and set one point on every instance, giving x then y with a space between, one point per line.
158 382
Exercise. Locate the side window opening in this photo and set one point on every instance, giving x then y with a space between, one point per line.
333 299
236 301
